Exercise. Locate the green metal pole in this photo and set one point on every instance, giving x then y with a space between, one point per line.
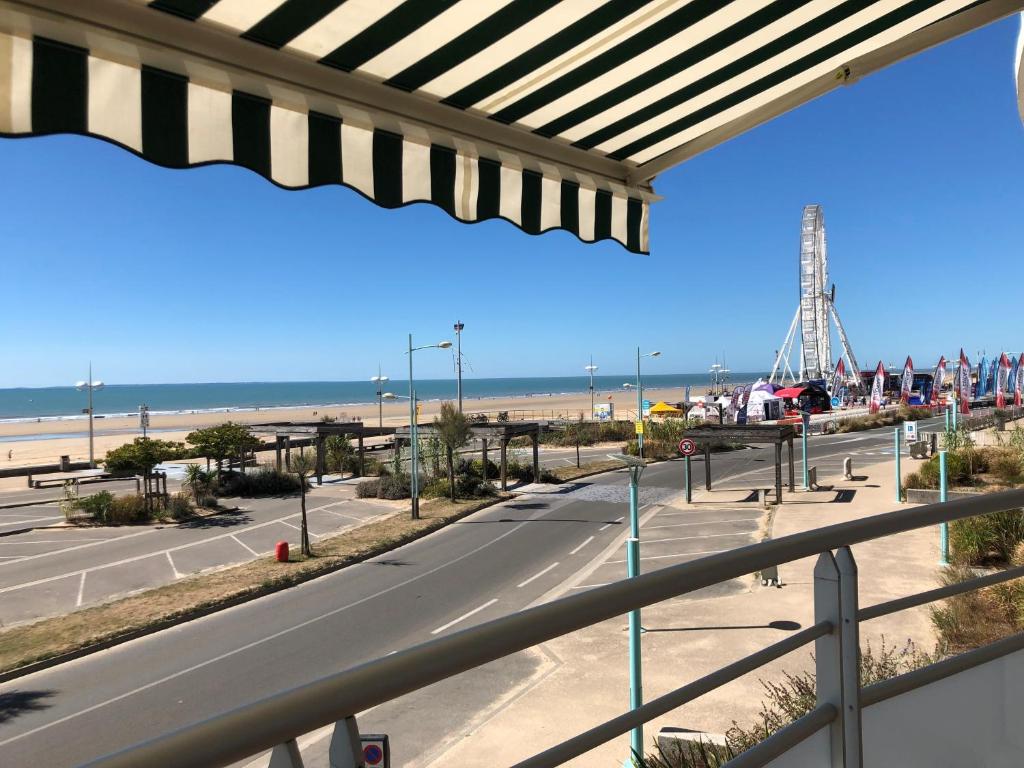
413 468
955 407
896 443
943 495
947 418
636 739
803 443
686 479
639 405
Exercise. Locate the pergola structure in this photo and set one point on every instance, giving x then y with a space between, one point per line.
707 435
318 432
488 434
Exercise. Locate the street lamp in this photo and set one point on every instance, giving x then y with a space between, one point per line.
459 325
414 469
640 398
379 381
590 369
636 698
89 386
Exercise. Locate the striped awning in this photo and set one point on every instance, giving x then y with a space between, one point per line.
548 113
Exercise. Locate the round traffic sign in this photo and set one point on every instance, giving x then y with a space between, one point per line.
687 447
373 754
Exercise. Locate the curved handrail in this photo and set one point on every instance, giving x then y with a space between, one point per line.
240 733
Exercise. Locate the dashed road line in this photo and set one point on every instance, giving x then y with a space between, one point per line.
536 576
581 546
465 616
609 525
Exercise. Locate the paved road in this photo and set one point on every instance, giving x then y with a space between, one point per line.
491 564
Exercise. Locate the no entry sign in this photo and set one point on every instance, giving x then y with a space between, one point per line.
687 447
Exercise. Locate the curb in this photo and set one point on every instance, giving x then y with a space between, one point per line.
200 612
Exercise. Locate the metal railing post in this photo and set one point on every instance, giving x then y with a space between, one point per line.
346 749
837 654
943 497
899 481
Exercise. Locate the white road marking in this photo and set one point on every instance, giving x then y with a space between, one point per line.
81 591
609 525
465 616
174 568
90 544
43 541
712 522
591 586
691 538
12 557
680 554
581 546
255 643
536 576
239 541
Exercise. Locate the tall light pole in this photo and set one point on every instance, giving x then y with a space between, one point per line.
414 452
640 398
636 696
459 325
590 369
379 381
89 386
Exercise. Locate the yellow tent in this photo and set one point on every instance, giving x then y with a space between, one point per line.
662 408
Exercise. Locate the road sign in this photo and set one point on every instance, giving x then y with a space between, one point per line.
910 431
639 427
646 407
375 750
836 402
687 447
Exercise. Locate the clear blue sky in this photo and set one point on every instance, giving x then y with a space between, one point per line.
214 274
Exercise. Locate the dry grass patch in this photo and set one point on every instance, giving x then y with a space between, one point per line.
194 596
565 474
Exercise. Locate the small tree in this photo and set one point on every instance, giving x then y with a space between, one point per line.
223 441
453 430
303 466
196 479
141 455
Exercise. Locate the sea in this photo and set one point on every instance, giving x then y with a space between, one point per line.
67 403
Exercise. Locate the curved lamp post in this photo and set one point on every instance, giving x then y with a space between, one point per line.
414 453
89 386
590 369
379 381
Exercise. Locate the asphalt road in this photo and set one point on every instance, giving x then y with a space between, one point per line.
491 564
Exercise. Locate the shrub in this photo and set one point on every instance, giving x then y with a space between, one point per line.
339 455
986 539
435 489
394 487
971 619
656 450
263 481
471 487
373 467
96 505
1005 464
477 467
368 489
127 510
179 507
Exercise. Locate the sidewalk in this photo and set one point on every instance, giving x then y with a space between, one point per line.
585 680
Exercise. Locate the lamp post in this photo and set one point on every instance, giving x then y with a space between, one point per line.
89 386
459 325
590 369
414 452
640 398
636 697
379 381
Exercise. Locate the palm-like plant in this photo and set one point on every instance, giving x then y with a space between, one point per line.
454 431
303 466
195 477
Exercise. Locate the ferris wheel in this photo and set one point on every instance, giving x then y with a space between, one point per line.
817 305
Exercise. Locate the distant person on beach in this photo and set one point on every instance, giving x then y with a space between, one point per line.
10 455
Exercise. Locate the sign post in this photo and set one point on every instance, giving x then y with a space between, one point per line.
687 447
910 431
143 419
803 442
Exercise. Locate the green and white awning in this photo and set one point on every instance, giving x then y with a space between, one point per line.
547 113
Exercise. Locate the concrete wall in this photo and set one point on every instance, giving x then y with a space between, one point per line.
974 718
812 752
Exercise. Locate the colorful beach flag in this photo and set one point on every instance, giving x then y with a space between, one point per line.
876 388
1002 380
963 382
1017 381
938 378
838 377
907 384
982 386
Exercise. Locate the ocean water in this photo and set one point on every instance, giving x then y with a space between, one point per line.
60 403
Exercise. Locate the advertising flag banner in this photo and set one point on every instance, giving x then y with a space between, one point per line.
963 382
1017 383
1002 380
982 388
990 384
937 379
838 377
876 388
907 384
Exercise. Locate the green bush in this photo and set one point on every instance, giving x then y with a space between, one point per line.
127 510
262 481
373 467
471 487
394 487
1006 465
96 505
656 450
477 467
435 489
987 539
368 489
340 455
180 507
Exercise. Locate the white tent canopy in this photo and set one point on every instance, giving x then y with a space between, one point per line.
549 114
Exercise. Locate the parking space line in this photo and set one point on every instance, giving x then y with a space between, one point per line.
690 538
43 541
174 568
678 554
609 525
464 616
536 576
90 544
581 546
714 522
239 541
81 591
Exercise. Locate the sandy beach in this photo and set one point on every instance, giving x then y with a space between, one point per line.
37 448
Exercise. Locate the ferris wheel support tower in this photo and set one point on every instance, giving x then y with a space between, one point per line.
816 307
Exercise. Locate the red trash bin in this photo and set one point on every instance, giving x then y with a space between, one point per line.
281 551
